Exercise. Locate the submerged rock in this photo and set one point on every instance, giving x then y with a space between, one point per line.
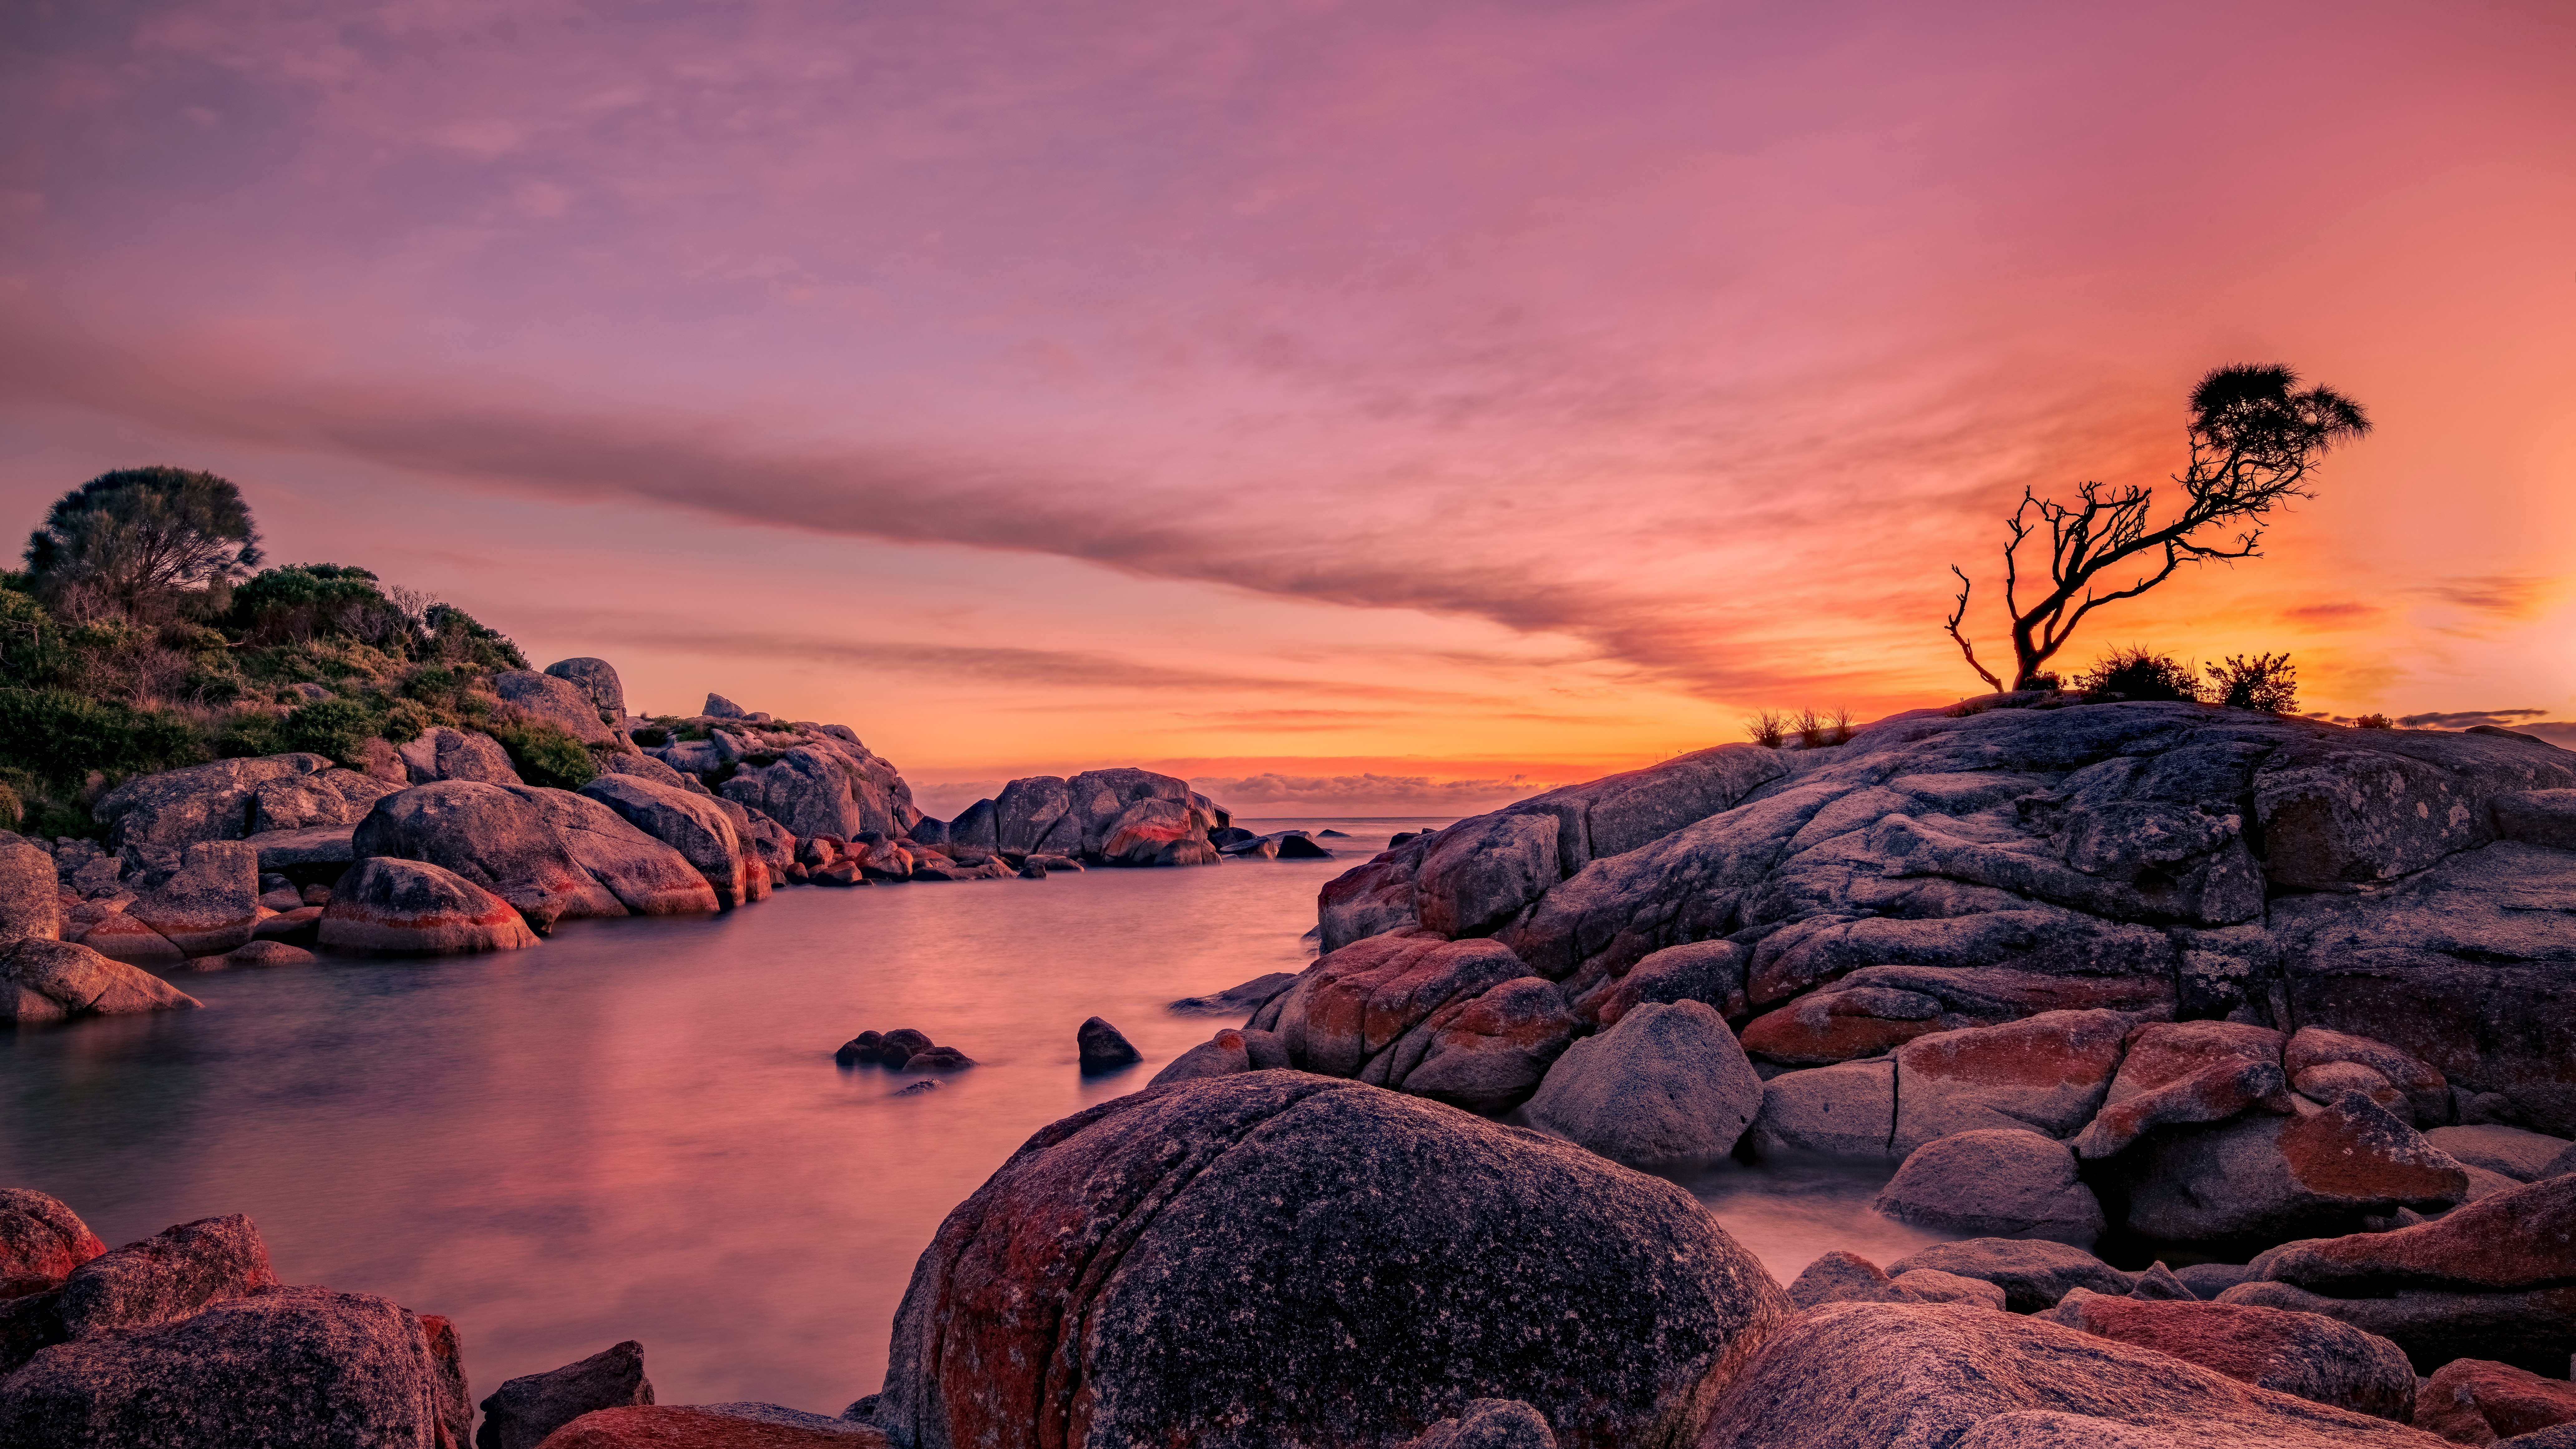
1382 1260
1241 1000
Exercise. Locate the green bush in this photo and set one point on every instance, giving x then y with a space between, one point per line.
2374 722
336 728
249 733
2135 673
59 737
544 754
2267 682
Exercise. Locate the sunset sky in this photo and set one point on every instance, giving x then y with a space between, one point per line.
1372 407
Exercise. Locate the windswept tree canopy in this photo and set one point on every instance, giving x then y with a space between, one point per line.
2255 436
141 541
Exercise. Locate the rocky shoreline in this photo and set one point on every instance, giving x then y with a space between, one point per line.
438 846
2282 1011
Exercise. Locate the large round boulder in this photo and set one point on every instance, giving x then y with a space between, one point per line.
1994 1182
1668 1084
1274 1257
46 980
596 678
493 838
410 907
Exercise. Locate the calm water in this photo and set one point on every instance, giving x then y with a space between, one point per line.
635 1130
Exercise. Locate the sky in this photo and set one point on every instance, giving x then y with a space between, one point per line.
1372 408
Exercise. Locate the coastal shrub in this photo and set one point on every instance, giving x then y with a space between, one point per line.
1767 729
2138 673
59 737
249 733
2374 722
2266 682
544 754
651 736
405 720
335 728
456 636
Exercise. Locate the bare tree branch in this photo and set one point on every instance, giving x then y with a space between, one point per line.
1964 646
2253 443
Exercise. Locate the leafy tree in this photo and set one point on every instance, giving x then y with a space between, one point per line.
2268 682
2254 440
143 542
2135 673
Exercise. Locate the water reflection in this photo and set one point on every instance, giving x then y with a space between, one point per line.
636 1129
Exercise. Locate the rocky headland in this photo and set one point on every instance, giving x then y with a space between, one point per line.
438 845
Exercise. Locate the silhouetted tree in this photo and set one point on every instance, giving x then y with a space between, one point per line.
141 541
2254 440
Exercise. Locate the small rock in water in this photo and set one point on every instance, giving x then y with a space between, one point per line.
1336 834
859 1049
900 1045
527 1409
265 953
1249 997
1103 1047
917 1088
938 1059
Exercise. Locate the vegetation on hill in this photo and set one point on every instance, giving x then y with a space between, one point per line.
139 639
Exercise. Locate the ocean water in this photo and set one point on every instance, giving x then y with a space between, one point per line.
636 1130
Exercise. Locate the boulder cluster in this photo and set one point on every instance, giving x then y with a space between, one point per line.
1272 1256
188 1338
902 1049
438 846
